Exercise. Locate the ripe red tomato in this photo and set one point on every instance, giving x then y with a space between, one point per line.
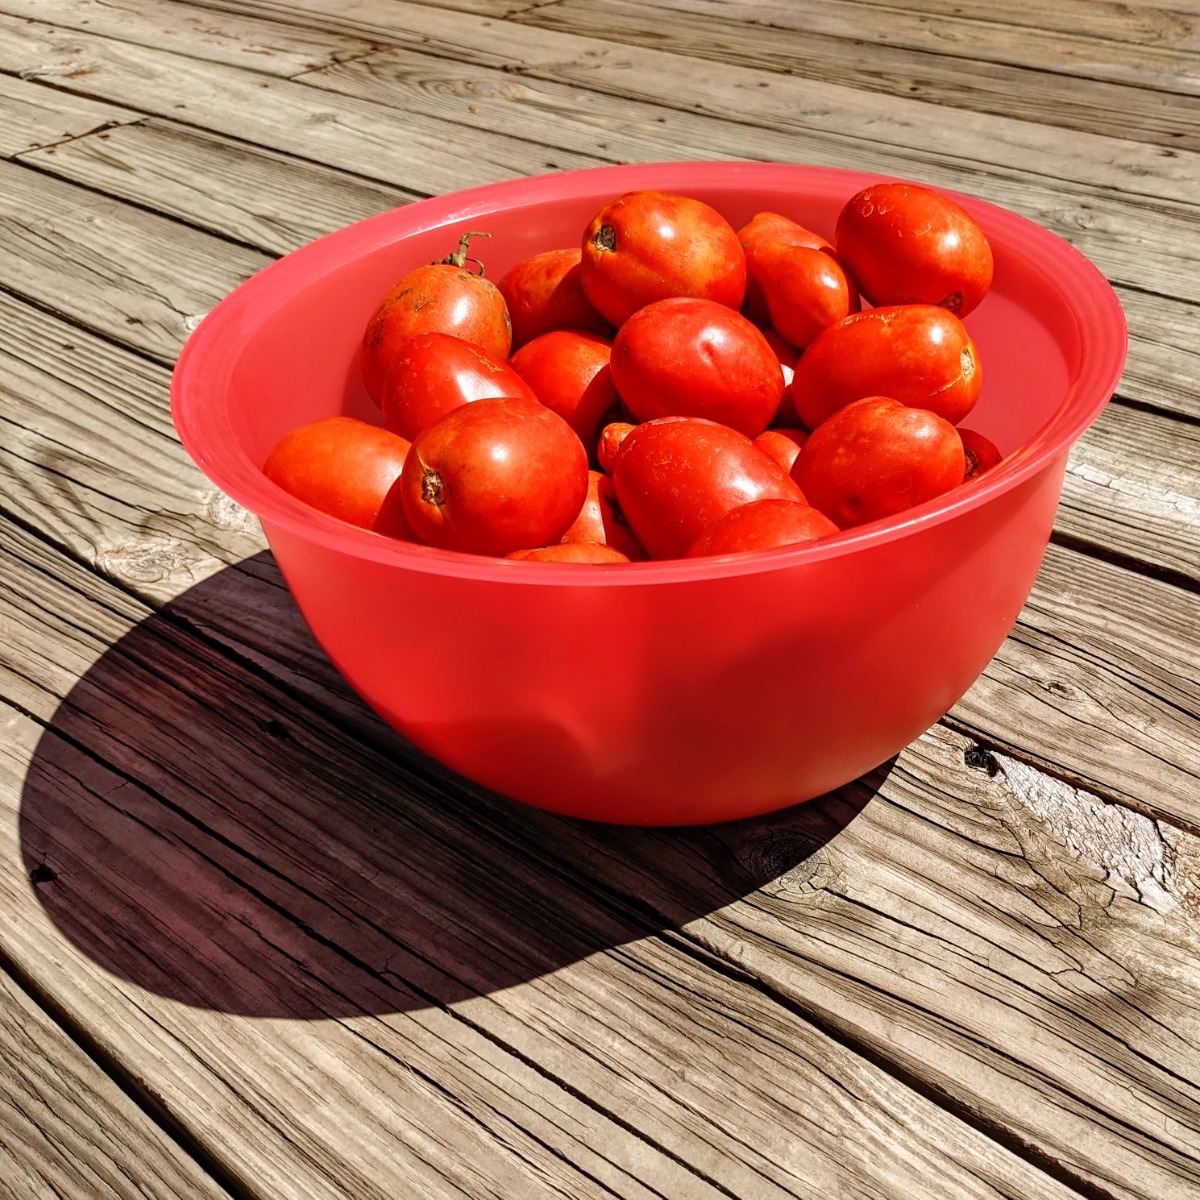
571 552
611 437
433 373
568 370
646 246
981 453
601 520
877 457
762 525
905 244
804 290
441 297
773 227
675 476
544 293
685 356
782 444
346 468
919 354
494 476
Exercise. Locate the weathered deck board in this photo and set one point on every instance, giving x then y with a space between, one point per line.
70 1133
36 116
232 899
911 937
356 135
271 47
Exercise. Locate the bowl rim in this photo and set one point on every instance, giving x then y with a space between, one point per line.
206 361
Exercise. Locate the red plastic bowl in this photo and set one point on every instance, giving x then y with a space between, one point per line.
669 692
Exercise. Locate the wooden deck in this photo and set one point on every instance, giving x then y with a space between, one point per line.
254 945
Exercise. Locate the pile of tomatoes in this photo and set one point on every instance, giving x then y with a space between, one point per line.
669 387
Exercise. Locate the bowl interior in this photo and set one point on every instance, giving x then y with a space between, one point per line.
283 349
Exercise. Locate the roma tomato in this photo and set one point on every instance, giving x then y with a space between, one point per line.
601 520
568 370
442 297
494 476
804 290
782 444
611 437
919 354
436 372
346 468
696 358
877 457
571 552
906 244
762 525
544 293
675 476
646 246
982 454
772 227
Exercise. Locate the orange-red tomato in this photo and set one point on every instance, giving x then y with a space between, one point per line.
675 476
905 244
919 354
433 373
611 437
494 476
772 227
648 245
804 290
877 457
981 453
346 468
571 552
568 370
762 525
601 520
441 297
782 444
685 356
543 293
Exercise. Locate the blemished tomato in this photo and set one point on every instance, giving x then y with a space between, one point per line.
762 525
782 444
543 292
919 354
568 371
982 454
588 553
804 290
441 297
675 476
494 476
648 245
346 468
611 437
905 244
601 520
685 356
877 457
433 373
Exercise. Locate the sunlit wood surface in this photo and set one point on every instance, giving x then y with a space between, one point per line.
252 944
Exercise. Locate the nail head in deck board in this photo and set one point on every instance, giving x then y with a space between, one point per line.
69 1131
39 116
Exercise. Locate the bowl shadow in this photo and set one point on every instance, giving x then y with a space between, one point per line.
223 823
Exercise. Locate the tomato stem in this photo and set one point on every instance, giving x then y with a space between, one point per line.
460 257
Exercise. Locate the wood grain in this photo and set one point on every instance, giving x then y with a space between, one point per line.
69 1132
36 116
